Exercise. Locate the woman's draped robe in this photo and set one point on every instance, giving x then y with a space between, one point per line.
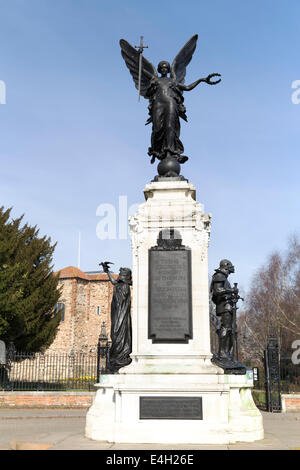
165 109
121 335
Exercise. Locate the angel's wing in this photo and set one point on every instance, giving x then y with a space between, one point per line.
131 57
183 59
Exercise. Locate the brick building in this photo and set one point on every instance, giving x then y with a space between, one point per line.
85 304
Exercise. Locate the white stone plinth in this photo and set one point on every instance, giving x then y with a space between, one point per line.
229 413
170 205
172 370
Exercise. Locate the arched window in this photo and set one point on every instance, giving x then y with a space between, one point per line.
60 308
98 310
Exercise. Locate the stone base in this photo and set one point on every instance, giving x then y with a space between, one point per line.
161 364
229 413
229 367
177 377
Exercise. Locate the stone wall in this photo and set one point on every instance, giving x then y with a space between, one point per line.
46 399
290 402
87 299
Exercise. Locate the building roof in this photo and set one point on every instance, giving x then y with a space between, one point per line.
73 272
100 276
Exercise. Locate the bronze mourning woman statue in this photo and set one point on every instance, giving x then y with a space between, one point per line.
121 331
165 95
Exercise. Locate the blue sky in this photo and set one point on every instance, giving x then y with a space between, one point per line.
72 133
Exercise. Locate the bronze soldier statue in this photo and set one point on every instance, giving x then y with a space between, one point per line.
121 330
225 298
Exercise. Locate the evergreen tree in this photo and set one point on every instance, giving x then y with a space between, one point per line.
28 286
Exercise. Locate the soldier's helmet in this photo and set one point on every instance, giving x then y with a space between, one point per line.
226 264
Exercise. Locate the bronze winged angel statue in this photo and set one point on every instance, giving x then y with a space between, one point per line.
165 95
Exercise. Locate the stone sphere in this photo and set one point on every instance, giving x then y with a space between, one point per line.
169 166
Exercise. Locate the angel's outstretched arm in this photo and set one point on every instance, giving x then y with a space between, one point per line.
191 86
194 84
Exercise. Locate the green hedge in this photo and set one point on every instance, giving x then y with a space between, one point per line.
259 397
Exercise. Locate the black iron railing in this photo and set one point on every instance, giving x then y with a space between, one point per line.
289 375
50 372
269 386
272 375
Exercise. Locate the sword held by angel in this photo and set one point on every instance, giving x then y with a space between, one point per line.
165 95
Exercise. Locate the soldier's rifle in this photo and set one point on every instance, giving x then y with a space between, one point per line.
235 298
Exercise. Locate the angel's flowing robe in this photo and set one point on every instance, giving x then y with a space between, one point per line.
121 336
165 109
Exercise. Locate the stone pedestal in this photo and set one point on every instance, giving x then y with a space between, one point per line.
171 392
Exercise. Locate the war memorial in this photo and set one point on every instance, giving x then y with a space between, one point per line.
163 384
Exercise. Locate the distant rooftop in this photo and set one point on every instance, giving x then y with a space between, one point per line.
94 272
73 272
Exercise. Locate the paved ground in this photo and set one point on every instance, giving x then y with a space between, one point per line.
64 430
